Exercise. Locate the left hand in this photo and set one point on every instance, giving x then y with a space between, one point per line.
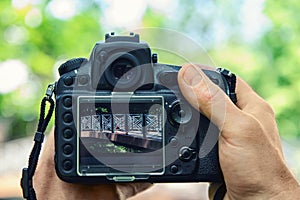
48 186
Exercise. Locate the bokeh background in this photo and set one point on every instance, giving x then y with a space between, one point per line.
257 39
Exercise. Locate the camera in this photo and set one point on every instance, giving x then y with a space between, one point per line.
120 117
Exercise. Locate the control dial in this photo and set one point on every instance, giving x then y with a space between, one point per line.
70 65
180 113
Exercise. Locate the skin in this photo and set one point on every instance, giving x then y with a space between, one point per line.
48 186
250 151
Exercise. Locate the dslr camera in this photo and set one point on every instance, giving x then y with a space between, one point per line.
120 117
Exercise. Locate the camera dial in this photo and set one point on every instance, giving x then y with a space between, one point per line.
180 113
71 65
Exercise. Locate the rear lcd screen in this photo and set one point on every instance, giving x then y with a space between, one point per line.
120 135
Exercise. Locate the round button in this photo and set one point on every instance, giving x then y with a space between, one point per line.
68 118
174 169
185 154
67 102
68 149
67 164
83 80
102 56
180 113
68 81
173 141
68 133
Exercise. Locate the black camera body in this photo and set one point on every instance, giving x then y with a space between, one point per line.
120 117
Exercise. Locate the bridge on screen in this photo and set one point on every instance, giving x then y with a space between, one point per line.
142 131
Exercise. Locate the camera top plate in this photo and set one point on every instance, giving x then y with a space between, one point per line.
131 38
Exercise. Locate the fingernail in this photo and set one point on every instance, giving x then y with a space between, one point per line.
192 76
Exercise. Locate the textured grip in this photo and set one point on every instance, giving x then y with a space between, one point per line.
70 65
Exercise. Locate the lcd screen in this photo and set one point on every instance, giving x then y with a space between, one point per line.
120 135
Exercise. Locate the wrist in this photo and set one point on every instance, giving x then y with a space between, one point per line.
290 192
282 186
289 195
286 185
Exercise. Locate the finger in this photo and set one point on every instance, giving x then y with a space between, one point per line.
201 66
209 99
205 96
249 101
244 91
127 190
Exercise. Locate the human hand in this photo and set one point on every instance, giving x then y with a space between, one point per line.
250 151
48 186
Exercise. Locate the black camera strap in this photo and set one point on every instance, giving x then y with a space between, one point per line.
231 81
27 174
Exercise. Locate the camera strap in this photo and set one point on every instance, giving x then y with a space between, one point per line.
27 173
231 81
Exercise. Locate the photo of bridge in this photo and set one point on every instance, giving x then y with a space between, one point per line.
133 131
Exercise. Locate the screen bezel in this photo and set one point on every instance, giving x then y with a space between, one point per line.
120 98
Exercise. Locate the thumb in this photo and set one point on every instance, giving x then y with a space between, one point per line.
205 96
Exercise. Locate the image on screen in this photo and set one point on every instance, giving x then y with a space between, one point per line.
120 135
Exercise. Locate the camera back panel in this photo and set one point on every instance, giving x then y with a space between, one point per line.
120 117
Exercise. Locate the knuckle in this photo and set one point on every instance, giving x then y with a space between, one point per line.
268 108
211 101
254 130
207 92
251 122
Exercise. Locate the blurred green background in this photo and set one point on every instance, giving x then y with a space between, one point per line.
256 39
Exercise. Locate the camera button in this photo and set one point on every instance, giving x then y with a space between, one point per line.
67 102
67 149
68 118
102 56
83 80
174 141
174 169
68 133
185 154
67 165
68 81
180 113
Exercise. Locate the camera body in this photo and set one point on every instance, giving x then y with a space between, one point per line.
120 117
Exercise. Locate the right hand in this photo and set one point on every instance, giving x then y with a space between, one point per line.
250 151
